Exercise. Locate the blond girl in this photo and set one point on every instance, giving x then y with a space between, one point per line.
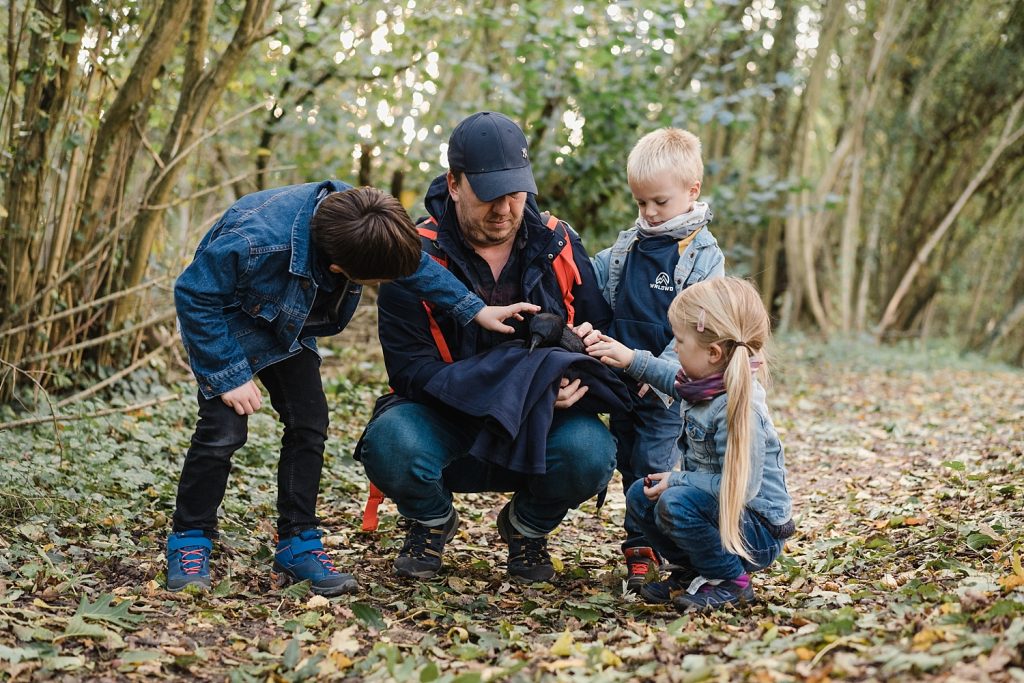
726 513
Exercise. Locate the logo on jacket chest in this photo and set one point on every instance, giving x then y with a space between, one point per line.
663 282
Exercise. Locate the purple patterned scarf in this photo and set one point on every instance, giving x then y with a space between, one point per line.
705 388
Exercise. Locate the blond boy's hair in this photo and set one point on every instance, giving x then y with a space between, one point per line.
728 311
667 150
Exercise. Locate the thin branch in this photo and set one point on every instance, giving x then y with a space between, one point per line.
82 307
85 393
159 318
53 410
100 413
214 188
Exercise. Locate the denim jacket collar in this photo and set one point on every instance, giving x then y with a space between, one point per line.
304 262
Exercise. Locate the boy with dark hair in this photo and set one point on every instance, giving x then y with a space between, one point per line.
280 268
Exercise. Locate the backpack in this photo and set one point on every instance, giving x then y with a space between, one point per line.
566 273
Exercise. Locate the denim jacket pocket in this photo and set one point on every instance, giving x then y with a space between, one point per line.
701 441
261 309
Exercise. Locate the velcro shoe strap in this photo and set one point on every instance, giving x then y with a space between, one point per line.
178 542
300 545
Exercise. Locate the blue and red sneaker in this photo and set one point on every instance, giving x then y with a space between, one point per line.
188 560
302 558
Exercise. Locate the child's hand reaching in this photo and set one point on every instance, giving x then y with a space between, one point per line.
492 317
609 351
655 485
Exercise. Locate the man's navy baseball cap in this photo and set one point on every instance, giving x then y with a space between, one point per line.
492 151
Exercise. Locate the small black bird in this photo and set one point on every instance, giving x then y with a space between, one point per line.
546 329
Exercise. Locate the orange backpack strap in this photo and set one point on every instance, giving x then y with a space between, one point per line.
566 272
370 518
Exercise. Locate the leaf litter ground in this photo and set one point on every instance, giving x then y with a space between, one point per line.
905 466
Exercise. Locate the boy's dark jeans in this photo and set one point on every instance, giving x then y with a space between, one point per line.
297 394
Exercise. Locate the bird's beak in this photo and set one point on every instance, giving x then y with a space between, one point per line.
535 339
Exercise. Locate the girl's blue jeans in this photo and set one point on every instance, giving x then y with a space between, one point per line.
682 525
418 457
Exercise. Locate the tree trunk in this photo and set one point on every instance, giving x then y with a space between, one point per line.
803 284
1009 136
46 98
201 89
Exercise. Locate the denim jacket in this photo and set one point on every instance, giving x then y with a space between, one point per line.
701 260
702 442
244 301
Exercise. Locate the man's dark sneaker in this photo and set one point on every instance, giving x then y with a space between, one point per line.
528 558
639 562
661 592
711 597
188 560
420 556
302 558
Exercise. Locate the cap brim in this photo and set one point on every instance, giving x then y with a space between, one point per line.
493 184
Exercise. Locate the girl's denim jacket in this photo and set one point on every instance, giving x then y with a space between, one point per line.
701 260
702 442
244 301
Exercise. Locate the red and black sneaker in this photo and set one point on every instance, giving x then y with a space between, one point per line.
639 562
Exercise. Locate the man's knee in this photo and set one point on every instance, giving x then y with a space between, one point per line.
389 436
582 443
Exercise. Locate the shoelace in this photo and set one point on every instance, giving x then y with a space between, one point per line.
416 541
325 561
189 564
638 568
534 551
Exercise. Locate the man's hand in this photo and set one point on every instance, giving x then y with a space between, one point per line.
491 317
655 485
570 392
245 399
608 350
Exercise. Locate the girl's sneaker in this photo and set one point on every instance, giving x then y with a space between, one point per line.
302 558
639 561
188 560
661 592
715 596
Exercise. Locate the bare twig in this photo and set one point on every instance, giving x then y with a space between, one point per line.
85 416
53 410
159 318
117 375
82 307
214 188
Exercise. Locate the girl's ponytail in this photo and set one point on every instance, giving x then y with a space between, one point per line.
736 470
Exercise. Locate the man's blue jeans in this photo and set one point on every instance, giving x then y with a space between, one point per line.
418 457
682 525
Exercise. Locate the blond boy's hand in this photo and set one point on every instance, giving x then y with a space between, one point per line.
609 351
245 399
492 317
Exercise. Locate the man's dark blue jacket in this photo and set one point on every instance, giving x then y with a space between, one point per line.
410 354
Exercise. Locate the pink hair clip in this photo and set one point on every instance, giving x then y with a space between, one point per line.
700 320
